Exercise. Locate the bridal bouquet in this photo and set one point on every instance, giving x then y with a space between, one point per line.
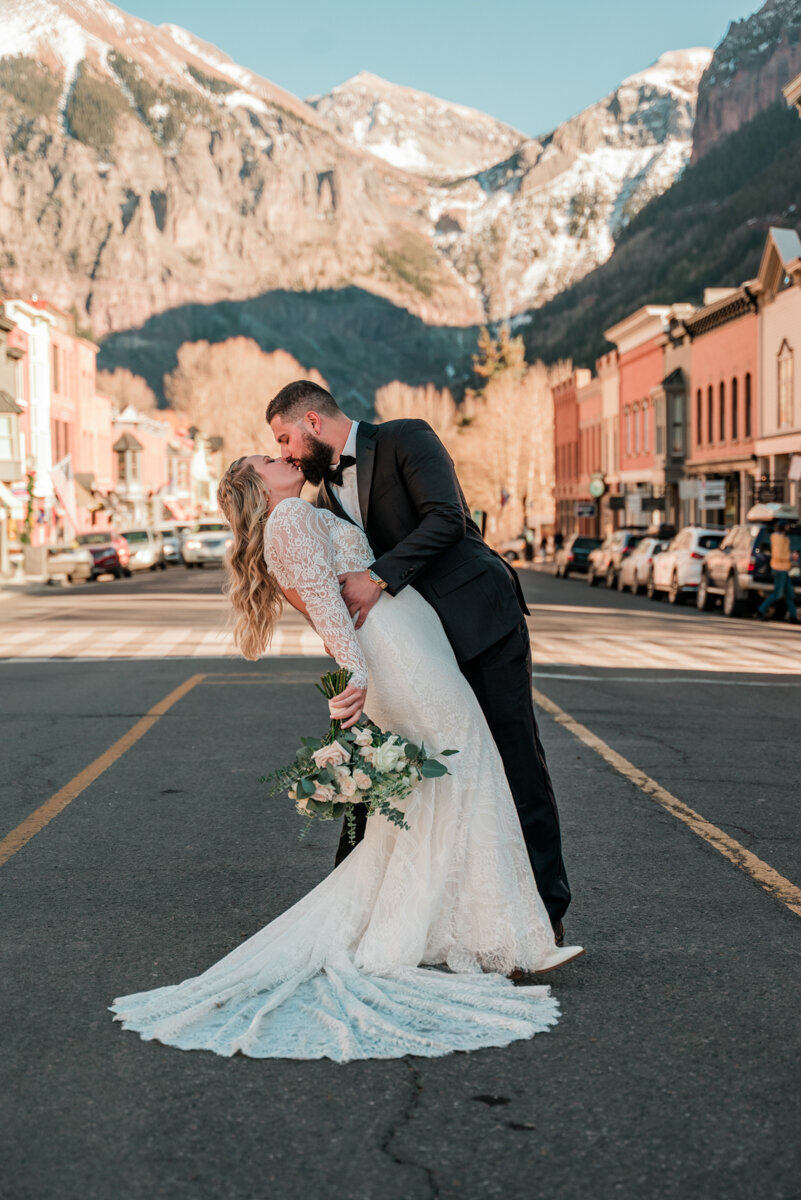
361 765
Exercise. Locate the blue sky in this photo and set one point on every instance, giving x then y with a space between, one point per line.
531 63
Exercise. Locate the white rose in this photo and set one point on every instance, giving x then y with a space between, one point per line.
386 757
364 738
368 753
362 780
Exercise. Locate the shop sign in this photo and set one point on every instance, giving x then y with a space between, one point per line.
713 493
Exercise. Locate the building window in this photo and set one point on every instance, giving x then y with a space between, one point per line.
734 414
785 369
722 411
122 466
56 372
636 419
646 430
677 410
748 404
628 432
710 416
698 415
6 440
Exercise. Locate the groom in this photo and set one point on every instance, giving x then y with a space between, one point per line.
397 482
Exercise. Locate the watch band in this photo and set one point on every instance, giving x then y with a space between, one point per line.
382 583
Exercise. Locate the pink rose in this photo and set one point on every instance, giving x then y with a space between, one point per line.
347 786
362 780
331 756
324 792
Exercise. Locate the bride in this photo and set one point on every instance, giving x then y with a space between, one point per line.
348 972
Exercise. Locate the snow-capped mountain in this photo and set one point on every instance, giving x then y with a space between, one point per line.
415 131
142 171
523 225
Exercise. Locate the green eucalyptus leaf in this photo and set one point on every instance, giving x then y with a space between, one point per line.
431 769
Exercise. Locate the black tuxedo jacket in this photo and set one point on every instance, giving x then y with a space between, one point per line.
420 529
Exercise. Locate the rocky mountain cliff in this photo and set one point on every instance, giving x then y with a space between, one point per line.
756 58
141 169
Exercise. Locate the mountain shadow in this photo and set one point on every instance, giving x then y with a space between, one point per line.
358 341
707 230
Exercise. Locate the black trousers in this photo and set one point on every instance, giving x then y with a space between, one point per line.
501 678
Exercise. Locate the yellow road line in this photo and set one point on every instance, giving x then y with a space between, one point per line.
761 872
37 820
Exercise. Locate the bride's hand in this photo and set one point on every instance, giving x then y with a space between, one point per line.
348 706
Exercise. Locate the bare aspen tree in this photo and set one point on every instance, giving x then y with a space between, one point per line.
224 388
397 400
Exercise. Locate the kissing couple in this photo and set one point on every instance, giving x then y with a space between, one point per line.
408 946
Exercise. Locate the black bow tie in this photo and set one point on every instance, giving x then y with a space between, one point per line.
334 474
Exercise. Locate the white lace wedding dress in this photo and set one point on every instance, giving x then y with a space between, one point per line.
346 973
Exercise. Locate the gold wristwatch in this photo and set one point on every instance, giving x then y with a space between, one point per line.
374 578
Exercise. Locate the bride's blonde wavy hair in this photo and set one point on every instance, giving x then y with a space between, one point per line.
253 591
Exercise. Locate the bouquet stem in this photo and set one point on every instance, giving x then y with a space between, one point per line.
333 684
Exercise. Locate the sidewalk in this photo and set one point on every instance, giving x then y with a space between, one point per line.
30 585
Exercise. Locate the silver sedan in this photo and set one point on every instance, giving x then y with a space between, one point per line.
207 543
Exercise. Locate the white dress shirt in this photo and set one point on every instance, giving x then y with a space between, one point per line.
348 494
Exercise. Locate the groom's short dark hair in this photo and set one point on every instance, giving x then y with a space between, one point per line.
299 397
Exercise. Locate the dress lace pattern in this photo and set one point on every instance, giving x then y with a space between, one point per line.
347 972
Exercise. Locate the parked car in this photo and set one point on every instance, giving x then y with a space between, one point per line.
207 542
738 570
635 568
514 548
106 558
604 563
172 539
677 570
145 549
69 562
574 556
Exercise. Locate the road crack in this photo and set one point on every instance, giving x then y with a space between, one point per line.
404 1119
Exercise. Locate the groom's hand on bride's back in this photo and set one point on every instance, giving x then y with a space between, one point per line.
348 706
359 593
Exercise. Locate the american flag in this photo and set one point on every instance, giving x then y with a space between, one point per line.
64 487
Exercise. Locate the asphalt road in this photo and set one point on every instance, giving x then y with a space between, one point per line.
674 1071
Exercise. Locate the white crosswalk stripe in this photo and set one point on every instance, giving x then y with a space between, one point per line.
562 635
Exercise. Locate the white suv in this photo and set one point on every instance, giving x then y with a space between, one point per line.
678 570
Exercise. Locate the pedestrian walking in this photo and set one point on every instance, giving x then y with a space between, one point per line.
780 563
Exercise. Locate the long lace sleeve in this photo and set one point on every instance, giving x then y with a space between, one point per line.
300 553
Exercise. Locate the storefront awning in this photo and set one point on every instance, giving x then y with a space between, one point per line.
176 510
14 505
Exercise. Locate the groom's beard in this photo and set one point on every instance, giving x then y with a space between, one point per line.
315 460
